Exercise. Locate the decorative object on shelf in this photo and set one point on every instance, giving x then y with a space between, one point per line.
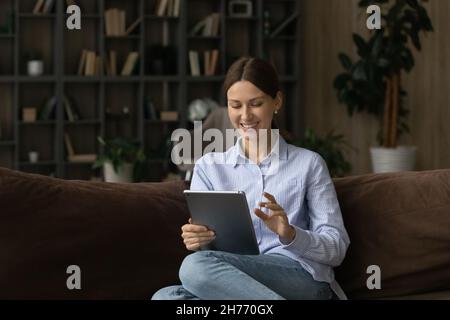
33 156
331 148
35 65
240 8
72 156
207 27
200 108
122 159
43 6
373 82
169 115
29 114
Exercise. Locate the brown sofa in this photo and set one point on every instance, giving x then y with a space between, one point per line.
126 237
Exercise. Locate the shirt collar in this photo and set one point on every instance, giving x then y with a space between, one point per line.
279 149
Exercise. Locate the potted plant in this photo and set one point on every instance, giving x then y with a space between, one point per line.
373 82
122 159
330 148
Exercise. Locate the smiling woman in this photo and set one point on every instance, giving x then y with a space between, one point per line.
296 215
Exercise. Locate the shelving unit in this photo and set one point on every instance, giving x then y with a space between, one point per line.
96 97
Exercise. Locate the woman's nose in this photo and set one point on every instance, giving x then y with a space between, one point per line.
246 112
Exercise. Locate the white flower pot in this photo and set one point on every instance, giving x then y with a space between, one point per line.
402 158
125 174
35 68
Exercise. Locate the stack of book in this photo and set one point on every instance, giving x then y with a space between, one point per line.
90 63
128 68
210 59
115 23
170 8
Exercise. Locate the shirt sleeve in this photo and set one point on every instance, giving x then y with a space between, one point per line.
326 241
200 181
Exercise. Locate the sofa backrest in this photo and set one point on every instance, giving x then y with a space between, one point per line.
399 222
124 237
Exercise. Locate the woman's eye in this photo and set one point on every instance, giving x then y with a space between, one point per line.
256 104
235 106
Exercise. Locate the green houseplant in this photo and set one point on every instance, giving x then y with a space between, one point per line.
121 160
373 83
330 147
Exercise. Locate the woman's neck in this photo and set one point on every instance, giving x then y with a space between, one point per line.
258 148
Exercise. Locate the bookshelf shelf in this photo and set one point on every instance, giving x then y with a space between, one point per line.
161 18
7 143
36 164
82 122
28 15
28 79
38 123
281 38
217 78
110 105
130 37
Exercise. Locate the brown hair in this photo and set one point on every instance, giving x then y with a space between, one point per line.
257 71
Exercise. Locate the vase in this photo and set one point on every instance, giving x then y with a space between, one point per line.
35 68
125 174
402 158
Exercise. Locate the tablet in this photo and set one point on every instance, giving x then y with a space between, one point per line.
227 214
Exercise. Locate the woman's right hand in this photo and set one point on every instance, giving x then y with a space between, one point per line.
194 236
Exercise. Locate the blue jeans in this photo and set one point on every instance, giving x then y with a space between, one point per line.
217 275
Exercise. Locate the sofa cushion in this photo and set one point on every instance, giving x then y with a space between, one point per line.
124 237
400 222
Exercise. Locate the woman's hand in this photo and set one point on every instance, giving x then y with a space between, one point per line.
277 220
194 236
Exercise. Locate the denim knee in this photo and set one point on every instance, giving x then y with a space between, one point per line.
194 270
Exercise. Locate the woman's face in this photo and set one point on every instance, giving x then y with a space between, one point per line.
249 108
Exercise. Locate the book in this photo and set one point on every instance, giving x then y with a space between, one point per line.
82 62
176 8
47 111
69 145
213 62
130 64
162 7
38 6
149 109
194 63
98 65
90 64
113 62
48 6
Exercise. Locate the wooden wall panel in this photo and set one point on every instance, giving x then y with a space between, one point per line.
326 29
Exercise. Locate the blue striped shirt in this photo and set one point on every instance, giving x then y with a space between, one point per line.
302 186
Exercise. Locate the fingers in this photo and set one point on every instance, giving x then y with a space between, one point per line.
271 206
187 235
194 244
261 214
193 228
270 197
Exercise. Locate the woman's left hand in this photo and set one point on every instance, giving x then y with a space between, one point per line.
277 220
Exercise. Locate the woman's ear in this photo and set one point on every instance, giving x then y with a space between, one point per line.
278 101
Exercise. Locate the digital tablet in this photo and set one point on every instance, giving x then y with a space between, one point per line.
227 214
